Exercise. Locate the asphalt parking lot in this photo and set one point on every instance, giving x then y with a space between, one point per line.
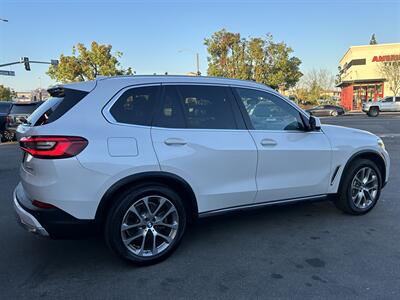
305 251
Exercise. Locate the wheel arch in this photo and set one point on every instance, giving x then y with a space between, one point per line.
178 184
370 155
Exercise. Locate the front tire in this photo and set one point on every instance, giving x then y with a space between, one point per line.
373 112
360 188
146 224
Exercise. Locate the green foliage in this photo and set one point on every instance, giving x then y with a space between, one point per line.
373 40
86 64
259 59
6 94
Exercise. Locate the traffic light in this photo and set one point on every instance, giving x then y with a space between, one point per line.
25 60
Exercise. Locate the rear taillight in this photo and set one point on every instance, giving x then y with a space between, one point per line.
8 120
53 147
41 204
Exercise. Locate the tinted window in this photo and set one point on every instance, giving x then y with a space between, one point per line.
206 107
397 99
135 106
24 109
55 107
269 112
4 107
171 113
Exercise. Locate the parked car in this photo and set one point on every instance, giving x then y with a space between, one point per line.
139 158
5 107
388 104
18 114
326 110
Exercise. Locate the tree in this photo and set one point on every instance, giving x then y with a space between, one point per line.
256 58
373 40
391 72
6 94
314 85
86 64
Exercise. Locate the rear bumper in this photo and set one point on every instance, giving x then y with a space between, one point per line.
26 220
52 222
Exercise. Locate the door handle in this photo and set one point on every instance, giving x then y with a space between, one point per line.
268 142
175 141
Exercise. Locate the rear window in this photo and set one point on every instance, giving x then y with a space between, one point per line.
4 107
55 107
23 109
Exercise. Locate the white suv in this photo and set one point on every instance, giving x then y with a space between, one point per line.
138 158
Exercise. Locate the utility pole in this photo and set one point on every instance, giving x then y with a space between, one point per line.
197 64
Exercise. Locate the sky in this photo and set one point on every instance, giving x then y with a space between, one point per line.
163 36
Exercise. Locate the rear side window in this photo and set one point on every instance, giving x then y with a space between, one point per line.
196 106
53 108
136 106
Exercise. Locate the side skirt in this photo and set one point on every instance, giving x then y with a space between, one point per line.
262 204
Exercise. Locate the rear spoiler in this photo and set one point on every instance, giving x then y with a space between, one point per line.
56 91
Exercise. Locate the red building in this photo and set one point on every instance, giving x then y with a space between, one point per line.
360 77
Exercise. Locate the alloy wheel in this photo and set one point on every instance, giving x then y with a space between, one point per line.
150 226
364 188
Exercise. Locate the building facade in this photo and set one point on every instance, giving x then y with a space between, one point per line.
360 78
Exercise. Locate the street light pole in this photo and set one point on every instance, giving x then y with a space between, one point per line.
196 58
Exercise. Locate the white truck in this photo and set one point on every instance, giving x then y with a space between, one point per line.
387 104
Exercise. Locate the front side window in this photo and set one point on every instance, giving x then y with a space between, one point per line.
135 106
269 112
196 106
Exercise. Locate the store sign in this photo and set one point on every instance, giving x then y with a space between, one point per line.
382 58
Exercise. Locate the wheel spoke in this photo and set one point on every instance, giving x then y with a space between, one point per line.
367 174
162 201
143 242
130 239
134 210
154 250
127 227
172 226
146 203
167 238
171 210
359 198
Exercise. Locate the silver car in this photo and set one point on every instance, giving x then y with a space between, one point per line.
388 104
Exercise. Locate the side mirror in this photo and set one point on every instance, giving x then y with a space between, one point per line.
314 124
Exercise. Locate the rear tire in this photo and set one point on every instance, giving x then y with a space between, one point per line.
360 188
373 112
145 224
7 136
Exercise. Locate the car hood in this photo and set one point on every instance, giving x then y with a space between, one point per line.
347 131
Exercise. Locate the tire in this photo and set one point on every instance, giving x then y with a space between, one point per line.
131 205
7 136
373 112
349 195
334 113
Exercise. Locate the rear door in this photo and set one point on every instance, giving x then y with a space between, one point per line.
199 135
292 163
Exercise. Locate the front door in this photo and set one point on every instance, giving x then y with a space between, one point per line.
199 135
292 163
